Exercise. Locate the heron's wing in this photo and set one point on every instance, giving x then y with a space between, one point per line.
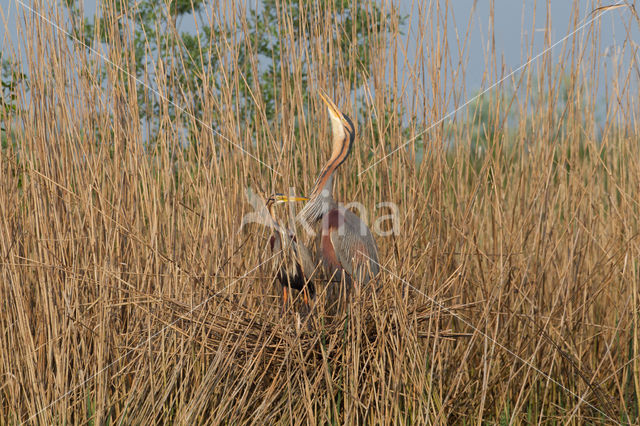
354 248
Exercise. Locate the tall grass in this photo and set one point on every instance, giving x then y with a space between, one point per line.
510 293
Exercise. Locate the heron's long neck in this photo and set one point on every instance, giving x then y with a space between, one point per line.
321 197
321 202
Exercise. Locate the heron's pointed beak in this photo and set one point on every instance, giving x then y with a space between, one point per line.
281 198
333 109
286 199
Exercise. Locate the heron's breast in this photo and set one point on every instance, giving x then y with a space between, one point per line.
331 222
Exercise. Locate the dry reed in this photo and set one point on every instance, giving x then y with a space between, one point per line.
510 293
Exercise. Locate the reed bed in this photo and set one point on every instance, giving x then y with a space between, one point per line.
130 294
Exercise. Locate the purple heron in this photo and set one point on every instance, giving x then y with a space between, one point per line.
345 244
295 266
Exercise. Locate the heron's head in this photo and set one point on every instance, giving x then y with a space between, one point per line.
341 125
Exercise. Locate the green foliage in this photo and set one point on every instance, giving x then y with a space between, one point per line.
10 79
488 115
191 61
153 41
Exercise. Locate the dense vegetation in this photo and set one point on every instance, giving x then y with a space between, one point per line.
129 293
